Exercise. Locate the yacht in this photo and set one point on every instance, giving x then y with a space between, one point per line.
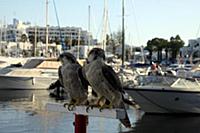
36 74
6 61
166 94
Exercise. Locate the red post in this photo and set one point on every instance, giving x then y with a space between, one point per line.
81 122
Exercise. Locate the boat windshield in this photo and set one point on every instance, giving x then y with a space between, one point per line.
156 80
42 63
171 81
32 63
187 84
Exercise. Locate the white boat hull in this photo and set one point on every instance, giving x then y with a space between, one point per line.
166 101
25 83
12 87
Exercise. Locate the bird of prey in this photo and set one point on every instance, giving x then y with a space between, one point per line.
72 80
56 88
105 82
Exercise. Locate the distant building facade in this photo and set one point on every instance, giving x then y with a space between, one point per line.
68 34
13 33
192 51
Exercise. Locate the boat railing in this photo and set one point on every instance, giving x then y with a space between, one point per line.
187 83
156 80
171 81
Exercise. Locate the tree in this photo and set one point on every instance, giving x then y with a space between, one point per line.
150 48
82 41
74 42
117 37
175 44
107 39
67 42
114 40
24 38
57 40
31 39
156 44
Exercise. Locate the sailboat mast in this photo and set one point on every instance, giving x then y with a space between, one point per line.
123 34
78 51
47 31
1 27
88 26
35 42
105 24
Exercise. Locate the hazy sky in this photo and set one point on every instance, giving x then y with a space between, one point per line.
144 19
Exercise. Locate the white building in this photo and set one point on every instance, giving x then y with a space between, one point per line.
192 51
70 33
14 31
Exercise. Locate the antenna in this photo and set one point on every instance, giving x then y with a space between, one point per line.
35 41
88 27
79 32
89 18
123 34
47 31
198 31
1 27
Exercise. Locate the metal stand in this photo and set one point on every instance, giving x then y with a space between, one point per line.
81 122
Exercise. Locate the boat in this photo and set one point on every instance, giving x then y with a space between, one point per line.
167 124
35 75
195 72
166 94
6 61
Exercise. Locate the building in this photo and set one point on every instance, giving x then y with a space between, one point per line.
70 35
18 31
13 33
192 51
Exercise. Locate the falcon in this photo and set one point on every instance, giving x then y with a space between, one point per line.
72 80
105 82
56 88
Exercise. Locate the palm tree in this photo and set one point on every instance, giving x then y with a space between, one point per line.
150 48
24 38
156 44
67 42
175 44
31 39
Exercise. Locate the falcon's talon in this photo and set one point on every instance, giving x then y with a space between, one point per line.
87 109
100 109
65 104
70 107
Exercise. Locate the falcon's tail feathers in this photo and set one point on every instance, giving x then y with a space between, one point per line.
127 101
126 122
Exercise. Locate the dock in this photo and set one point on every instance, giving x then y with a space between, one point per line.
81 115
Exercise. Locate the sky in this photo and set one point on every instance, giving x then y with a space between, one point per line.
144 19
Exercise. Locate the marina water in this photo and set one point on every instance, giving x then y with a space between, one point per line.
23 117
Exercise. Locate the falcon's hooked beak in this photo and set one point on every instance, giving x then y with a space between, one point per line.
60 57
87 62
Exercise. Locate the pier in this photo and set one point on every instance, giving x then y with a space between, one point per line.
81 115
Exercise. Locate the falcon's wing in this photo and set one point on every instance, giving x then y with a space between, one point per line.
84 81
112 77
60 78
